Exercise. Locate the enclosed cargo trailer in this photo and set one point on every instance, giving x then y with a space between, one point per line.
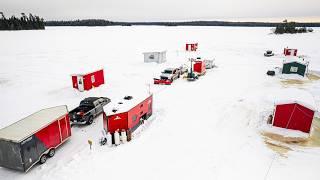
34 138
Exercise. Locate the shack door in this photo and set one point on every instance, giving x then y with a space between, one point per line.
292 51
80 83
29 152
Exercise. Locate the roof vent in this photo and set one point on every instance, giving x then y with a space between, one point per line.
120 102
114 110
128 97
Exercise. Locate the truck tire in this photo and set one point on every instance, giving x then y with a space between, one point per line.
43 159
90 120
51 152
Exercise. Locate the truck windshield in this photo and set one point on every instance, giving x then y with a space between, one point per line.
167 71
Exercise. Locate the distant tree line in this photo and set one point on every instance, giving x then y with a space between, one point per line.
291 28
101 22
23 23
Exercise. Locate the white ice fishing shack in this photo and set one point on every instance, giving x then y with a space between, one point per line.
158 57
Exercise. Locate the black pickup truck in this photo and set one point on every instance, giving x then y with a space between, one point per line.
89 108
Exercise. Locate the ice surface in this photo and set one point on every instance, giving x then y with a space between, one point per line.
207 129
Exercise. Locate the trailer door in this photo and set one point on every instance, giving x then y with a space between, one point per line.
29 152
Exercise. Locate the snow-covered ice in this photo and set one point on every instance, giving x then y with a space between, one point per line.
207 129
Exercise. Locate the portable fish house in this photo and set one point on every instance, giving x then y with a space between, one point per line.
85 82
158 57
34 138
191 46
128 113
295 65
199 67
294 110
290 52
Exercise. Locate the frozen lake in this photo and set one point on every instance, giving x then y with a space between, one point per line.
208 129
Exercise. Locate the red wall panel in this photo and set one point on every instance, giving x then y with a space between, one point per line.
293 116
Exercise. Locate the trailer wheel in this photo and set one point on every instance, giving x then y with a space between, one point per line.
43 159
51 152
90 121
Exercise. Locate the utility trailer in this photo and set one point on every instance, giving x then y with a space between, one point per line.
34 138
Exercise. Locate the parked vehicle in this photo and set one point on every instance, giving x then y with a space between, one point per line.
268 53
171 74
88 109
168 76
34 138
191 76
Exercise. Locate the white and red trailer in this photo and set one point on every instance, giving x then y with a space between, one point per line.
87 81
127 114
34 138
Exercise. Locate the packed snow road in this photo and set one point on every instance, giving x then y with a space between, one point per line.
207 129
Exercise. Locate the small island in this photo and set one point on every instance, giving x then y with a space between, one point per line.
291 28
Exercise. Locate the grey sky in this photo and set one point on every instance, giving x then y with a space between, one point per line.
160 10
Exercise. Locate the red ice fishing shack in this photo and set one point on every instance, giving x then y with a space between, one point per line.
34 138
128 113
294 111
290 52
85 82
191 46
199 67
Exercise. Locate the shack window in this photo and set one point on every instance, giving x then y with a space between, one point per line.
294 69
151 56
134 118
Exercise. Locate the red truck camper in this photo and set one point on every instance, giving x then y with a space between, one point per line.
34 138
290 52
85 82
199 67
191 46
128 113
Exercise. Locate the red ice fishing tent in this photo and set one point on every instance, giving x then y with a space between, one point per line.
294 110
85 82
191 46
290 52
34 138
127 113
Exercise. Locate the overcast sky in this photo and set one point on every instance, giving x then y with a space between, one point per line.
161 10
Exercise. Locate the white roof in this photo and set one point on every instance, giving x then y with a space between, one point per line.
152 52
291 95
290 59
24 128
86 70
123 105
